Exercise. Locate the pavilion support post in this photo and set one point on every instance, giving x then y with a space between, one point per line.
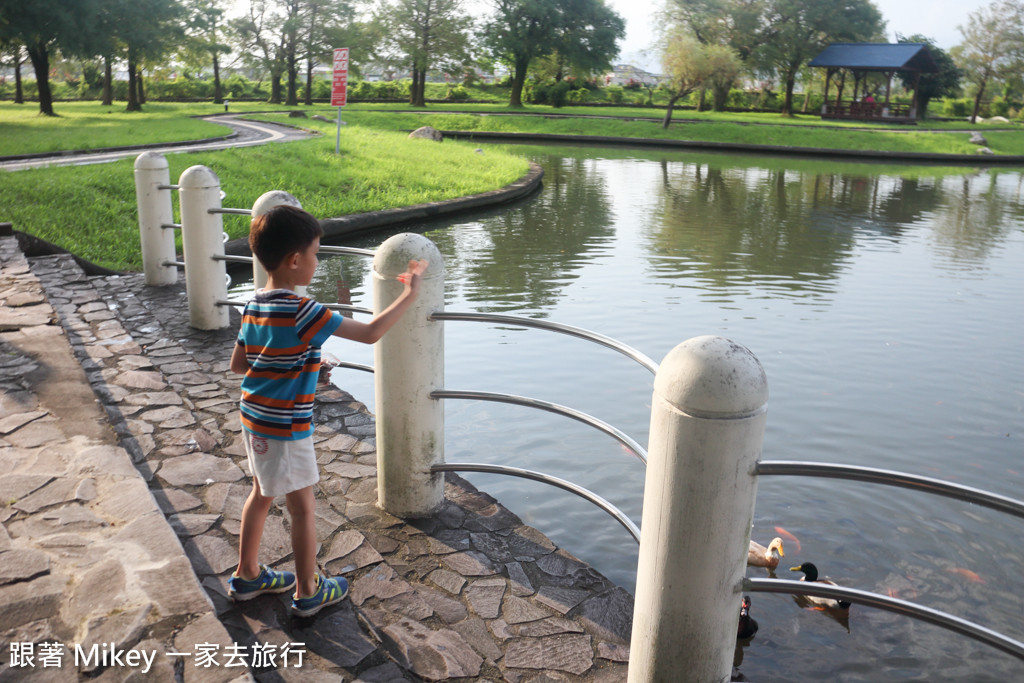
828 82
888 91
913 101
839 95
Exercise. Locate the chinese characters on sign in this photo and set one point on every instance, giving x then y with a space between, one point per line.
339 88
106 655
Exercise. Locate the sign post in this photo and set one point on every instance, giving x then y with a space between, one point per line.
339 89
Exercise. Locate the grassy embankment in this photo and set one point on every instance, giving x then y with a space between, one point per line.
943 137
91 210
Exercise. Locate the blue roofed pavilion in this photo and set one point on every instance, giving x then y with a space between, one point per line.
860 59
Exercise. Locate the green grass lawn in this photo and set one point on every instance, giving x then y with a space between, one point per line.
91 210
90 125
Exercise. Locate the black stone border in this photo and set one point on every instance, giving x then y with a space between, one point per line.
782 150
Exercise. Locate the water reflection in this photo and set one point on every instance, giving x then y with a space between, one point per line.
523 259
738 226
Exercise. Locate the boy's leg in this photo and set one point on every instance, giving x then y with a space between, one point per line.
301 507
254 516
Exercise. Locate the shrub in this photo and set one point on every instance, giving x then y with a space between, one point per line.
614 93
363 90
999 107
578 95
458 93
555 93
392 90
957 108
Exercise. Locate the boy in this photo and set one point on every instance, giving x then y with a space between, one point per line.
278 351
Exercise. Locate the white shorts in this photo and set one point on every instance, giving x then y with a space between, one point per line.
281 466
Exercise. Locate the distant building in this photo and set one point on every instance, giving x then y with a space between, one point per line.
624 74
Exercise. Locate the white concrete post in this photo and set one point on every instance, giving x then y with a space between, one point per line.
155 211
409 364
707 428
265 202
202 239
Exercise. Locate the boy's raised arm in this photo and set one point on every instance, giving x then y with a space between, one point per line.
371 332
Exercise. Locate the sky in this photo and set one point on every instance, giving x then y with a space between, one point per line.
937 19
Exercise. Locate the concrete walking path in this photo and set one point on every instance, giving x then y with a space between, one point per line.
245 134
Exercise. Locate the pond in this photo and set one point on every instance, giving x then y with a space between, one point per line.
884 303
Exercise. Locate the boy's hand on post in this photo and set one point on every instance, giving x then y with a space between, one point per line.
411 277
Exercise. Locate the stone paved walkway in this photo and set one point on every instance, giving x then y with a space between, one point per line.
120 527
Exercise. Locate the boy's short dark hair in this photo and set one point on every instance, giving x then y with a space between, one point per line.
281 231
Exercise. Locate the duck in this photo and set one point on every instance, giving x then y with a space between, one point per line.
810 571
759 556
747 627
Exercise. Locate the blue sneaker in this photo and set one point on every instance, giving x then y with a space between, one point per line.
328 592
269 581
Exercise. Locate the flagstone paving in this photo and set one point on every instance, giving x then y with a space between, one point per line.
122 478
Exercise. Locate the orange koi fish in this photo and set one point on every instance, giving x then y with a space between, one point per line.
788 536
967 574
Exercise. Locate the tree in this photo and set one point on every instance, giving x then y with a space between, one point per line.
42 26
203 44
735 24
520 31
148 30
262 36
587 42
993 46
523 30
425 33
944 83
691 64
327 25
797 30
13 49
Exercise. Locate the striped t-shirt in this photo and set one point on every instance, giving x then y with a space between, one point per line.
282 334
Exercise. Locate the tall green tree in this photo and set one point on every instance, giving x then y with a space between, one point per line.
588 40
426 34
734 24
944 83
204 42
520 31
992 47
13 50
44 26
261 35
691 64
797 30
149 31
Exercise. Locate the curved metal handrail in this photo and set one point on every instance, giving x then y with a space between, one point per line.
586 494
330 249
232 212
232 258
348 309
623 438
579 332
893 478
355 366
932 616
